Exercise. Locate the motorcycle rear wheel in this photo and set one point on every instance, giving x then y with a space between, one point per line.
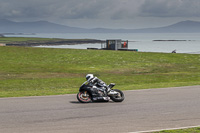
118 98
84 97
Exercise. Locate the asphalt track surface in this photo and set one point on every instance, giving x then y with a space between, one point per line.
142 110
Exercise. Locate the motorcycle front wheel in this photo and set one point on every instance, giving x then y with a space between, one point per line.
84 97
119 97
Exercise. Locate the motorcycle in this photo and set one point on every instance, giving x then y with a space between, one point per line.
89 94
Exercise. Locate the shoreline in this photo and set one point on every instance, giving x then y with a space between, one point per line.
55 42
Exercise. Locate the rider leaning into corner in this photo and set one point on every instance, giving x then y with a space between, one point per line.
97 90
94 81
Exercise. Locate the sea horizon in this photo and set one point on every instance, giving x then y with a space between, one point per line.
144 42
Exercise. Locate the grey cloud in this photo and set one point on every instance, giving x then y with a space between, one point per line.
22 8
96 9
67 9
170 8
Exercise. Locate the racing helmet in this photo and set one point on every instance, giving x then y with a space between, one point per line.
89 77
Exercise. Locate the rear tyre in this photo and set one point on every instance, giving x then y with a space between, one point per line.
119 97
84 97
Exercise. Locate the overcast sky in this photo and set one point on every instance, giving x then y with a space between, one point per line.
102 13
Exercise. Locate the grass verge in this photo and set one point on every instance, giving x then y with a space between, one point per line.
25 39
189 130
28 71
34 39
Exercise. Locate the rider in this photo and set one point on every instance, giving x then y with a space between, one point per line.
94 81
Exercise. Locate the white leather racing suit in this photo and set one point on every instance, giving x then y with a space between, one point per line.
97 82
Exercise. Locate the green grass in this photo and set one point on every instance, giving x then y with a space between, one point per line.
32 39
22 39
189 130
27 71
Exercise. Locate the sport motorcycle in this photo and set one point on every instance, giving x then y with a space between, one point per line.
95 93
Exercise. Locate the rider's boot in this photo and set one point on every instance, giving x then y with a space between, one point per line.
111 92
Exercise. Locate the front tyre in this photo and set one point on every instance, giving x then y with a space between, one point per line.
84 97
119 97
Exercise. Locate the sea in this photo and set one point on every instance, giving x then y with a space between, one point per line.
143 42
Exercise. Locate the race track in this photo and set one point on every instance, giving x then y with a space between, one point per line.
141 110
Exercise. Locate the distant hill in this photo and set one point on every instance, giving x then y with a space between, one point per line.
7 26
180 27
